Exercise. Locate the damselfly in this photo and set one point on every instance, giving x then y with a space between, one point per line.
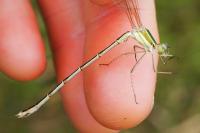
138 32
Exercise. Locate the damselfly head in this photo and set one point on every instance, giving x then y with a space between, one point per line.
163 51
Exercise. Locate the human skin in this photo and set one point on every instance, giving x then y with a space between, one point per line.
100 93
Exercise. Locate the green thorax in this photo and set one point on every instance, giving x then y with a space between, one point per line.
145 38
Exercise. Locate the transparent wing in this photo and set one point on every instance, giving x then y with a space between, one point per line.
131 7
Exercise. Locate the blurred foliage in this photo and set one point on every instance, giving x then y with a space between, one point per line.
177 96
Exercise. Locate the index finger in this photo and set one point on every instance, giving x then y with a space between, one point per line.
22 54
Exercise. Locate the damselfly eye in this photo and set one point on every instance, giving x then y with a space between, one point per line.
165 46
168 46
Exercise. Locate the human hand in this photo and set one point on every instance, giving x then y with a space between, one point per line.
23 58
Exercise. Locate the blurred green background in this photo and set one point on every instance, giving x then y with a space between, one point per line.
177 101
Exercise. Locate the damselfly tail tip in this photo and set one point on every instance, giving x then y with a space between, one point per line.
26 113
23 114
20 115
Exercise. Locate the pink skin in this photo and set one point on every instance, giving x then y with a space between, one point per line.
21 47
109 97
